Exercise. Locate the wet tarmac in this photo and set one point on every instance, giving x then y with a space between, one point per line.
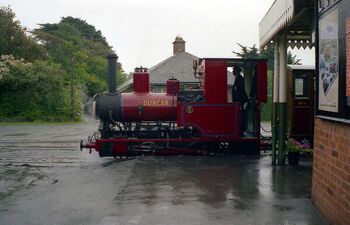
45 179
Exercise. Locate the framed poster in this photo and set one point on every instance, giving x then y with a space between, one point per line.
328 80
347 46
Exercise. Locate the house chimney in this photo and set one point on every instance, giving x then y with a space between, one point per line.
178 45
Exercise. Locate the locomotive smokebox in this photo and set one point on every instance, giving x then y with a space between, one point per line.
108 105
112 72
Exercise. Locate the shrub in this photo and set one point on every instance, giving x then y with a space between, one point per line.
35 91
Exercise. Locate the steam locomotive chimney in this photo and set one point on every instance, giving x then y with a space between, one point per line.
112 72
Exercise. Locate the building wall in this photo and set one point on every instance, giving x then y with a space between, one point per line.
331 171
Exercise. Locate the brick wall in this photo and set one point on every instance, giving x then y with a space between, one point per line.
331 171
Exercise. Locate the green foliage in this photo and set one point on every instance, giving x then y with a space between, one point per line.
302 147
81 50
88 31
248 52
14 39
95 85
34 91
71 51
267 52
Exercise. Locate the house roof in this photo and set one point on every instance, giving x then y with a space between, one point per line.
179 66
124 86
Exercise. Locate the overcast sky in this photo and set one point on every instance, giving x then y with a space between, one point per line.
142 31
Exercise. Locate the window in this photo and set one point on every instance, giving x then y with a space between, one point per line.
300 86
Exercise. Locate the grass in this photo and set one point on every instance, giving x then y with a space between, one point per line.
39 122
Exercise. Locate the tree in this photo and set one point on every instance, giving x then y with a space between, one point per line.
248 52
36 69
88 31
35 91
14 39
268 52
77 45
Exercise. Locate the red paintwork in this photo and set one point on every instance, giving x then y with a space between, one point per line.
120 148
262 82
177 140
141 82
172 86
215 81
215 119
142 105
148 107
210 119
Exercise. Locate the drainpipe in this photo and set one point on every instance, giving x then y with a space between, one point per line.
275 101
282 98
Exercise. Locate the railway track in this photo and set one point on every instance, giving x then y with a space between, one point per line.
43 145
40 153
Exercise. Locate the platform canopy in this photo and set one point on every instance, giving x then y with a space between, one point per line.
294 16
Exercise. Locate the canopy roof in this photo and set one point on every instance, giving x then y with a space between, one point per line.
295 16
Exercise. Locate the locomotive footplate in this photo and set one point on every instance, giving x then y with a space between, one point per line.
209 145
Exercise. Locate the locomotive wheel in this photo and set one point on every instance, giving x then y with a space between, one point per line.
199 146
252 148
219 148
106 150
245 148
224 147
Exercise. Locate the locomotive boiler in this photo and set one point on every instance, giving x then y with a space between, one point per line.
141 104
182 121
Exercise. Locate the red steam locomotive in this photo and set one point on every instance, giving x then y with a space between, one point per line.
188 122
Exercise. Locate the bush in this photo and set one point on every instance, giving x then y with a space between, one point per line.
35 91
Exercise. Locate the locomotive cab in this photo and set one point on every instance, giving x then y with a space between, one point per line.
218 83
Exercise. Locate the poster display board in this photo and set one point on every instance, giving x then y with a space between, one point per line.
347 36
328 91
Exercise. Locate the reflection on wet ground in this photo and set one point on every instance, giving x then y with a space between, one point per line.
45 179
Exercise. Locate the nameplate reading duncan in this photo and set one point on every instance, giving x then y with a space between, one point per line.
158 102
